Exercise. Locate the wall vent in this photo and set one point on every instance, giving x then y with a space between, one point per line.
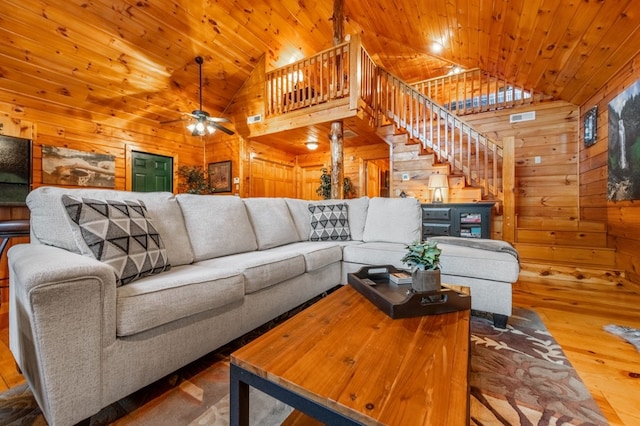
525 116
254 119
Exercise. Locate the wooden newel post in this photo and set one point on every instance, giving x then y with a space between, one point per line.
337 170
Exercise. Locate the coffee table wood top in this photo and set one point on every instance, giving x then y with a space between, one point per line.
345 354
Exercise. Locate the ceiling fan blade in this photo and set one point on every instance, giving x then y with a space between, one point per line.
171 121
221 128
218 119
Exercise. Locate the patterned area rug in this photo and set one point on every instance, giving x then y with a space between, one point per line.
519 376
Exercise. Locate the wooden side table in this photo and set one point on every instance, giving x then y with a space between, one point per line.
10 229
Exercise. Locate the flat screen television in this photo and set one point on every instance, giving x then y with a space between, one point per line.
15 170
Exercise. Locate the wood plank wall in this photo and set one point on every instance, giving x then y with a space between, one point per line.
78 129
548 189
622 217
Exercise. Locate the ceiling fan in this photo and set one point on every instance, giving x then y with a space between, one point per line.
201 122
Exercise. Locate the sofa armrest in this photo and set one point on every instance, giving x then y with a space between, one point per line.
62 317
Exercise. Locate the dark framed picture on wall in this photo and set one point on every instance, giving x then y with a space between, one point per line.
220 176
15 170
590 126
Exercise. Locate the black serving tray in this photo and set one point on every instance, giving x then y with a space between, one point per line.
400 301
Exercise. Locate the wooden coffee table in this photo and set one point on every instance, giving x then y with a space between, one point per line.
343 361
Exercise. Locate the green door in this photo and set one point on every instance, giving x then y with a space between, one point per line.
151 173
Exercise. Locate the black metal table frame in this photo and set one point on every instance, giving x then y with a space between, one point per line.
240 381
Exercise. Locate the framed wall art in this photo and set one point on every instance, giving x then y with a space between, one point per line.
64 166
624 145
590 126
15 170
220 176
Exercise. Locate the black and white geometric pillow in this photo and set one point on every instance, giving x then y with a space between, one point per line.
120 234
329 222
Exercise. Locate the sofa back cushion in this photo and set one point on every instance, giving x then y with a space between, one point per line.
356 209
50 224
271 221
393 220
217 225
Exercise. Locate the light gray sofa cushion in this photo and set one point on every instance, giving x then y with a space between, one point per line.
317 254
49 222
394 220
181 292
478 263
375 253
272 223
218 225
261 269
356 207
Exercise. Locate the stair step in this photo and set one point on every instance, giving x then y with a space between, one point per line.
567 255
552 273
465 195
562 237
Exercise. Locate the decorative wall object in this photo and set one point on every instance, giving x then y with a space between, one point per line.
591 126
220 176
15 170
624 145
63 166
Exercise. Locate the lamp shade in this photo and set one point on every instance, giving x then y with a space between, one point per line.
438 181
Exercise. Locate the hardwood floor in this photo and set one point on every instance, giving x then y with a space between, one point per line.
574 313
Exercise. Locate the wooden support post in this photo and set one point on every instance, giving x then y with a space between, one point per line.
337 169
508 187
336 135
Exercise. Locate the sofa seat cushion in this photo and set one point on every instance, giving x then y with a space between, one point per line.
261 269
375 253
478 263
181 292
316 255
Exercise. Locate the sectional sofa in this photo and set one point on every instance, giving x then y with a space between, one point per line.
118 289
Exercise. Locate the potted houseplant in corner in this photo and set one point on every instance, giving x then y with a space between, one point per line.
424 260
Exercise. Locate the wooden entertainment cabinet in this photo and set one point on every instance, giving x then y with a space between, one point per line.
470 220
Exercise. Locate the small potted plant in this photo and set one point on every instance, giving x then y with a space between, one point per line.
424 260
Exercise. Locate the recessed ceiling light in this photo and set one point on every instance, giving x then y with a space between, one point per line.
312 145
436 47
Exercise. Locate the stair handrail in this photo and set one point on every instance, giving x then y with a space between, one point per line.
475 90
440 131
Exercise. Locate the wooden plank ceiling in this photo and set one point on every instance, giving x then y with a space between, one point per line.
133 60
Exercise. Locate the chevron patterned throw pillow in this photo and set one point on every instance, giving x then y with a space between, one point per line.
118 233
329 222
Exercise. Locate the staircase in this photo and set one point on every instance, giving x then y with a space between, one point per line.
427 131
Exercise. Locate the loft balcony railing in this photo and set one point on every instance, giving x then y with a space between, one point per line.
323 77
474 91
346 74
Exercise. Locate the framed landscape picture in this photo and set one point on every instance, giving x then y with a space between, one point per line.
624 145
220 176
15 170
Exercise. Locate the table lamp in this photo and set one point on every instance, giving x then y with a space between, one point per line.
438 183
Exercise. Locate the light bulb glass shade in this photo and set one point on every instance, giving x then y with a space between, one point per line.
312 145
210 129
191 127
